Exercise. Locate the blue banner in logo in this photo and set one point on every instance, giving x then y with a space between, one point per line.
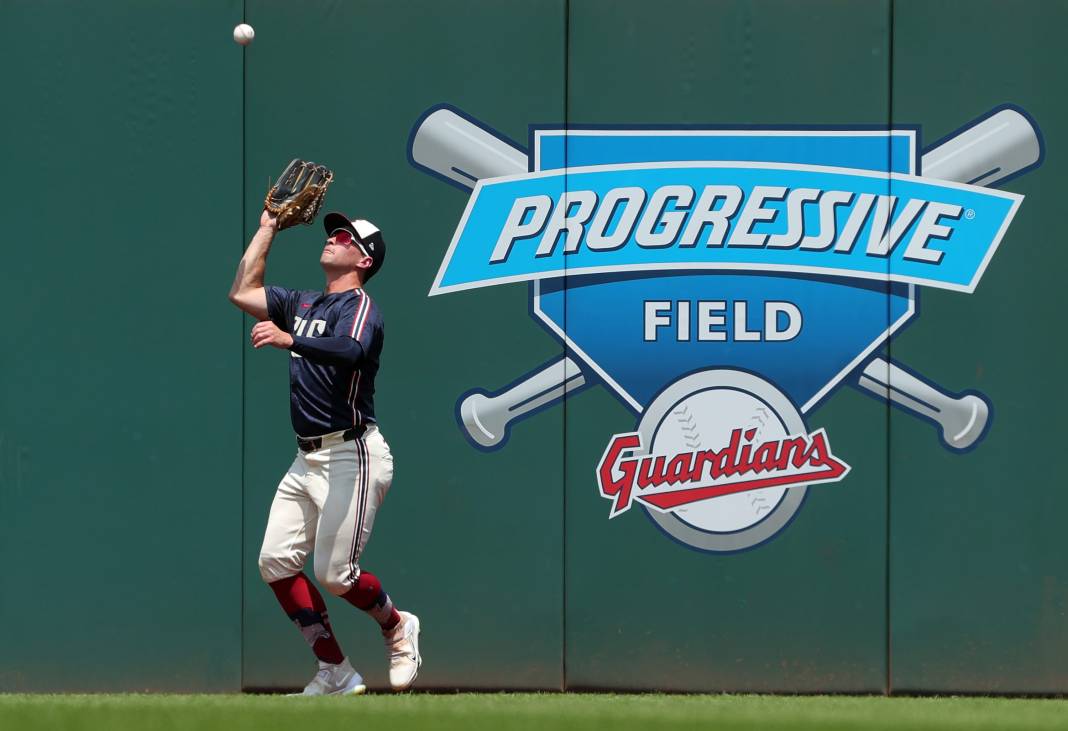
741 216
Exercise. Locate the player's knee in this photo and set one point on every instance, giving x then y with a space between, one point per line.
274 567
335 579
334 584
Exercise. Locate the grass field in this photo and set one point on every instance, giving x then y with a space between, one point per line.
507 711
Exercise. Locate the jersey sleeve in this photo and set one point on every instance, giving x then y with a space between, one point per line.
282 306
360 320
336 350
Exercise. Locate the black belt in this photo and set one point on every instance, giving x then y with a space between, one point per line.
310 444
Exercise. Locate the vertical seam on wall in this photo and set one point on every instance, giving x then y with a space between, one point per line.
241 551
563 431
889 345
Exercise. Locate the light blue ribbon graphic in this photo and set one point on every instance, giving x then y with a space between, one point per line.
776 217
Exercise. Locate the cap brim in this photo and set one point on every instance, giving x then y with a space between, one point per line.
334 220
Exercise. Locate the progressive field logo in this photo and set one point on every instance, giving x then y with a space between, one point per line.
722 283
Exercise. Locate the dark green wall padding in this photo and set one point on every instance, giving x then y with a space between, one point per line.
121 394
979 586
142 438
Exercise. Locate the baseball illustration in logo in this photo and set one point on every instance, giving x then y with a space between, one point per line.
725 465
749 273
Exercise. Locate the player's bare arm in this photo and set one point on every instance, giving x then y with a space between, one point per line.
247 291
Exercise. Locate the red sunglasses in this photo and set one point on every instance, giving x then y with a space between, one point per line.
345 238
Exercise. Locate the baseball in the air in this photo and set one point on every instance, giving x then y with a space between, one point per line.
243 34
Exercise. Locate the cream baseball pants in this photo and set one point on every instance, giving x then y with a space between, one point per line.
326 505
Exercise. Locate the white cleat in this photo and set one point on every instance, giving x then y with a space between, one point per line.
340 679
402 644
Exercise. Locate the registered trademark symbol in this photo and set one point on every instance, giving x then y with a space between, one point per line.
969 214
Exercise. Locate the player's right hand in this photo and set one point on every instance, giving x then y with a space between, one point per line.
267 220
267 333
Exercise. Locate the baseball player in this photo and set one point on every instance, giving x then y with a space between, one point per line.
326 502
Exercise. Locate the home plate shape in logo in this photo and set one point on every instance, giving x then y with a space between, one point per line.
722 283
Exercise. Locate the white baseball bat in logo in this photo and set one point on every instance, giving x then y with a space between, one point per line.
487 417
962 419
986 152
463 152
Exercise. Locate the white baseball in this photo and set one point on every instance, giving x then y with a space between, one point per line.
243 34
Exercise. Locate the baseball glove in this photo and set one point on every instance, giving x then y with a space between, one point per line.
298 193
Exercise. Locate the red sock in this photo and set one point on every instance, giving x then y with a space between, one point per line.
303 603
369 596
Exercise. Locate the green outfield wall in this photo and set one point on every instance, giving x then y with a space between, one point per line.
142 437
122 425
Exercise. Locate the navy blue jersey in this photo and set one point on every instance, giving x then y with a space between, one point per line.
332 385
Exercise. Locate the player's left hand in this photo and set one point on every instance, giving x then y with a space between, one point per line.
267 333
